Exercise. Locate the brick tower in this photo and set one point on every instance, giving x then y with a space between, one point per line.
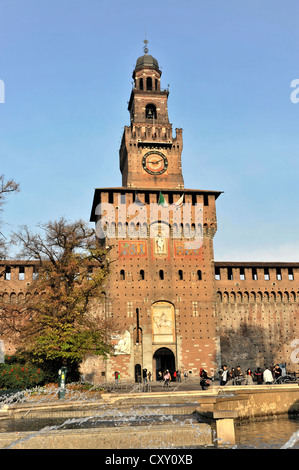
149 156
160 293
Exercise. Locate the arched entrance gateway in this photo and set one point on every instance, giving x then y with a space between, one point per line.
163 333
163 359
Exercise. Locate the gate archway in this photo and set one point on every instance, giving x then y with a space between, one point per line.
164 359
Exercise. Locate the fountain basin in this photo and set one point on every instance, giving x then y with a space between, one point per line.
133 437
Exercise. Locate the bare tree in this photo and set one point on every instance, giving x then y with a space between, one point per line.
6 187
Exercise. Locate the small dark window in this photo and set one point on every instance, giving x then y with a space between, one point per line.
21 273
161 274
290 274
254 274
140 84
156 84
7 273
181 277
199 276
205 199
217 274
122 275
35 273
229 274
149 83
141 274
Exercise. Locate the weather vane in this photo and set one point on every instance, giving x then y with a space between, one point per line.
145 49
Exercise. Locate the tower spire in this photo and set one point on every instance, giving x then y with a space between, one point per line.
145 48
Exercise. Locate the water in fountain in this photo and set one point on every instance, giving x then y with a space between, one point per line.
252 435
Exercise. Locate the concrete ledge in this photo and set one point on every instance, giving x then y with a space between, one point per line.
162 436
225 414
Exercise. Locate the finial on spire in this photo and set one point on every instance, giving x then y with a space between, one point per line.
145 48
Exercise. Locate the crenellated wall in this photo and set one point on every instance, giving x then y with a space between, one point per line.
257 308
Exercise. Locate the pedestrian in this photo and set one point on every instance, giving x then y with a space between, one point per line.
179 375
149 376
259 376
204 379
249 377
185 375
277 372
232 375
144 375
238 375
116 377
167 378
267 376
160 377
174 376
224 375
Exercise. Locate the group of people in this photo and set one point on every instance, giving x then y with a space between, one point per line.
176 376
146 376
237 377
164 376
234 376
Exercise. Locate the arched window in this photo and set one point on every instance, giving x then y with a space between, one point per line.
150 111
161 274
141 84
199 277
149 83
122 275
141 274
181 276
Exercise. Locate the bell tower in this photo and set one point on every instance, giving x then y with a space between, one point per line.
149 155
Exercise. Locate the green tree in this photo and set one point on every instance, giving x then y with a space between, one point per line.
60 317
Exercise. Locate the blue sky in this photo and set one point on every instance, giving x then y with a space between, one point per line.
67 68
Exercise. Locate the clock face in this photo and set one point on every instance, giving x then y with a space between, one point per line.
154 162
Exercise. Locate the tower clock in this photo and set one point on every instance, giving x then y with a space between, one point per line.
154 162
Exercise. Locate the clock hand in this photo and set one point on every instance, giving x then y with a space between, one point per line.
157 161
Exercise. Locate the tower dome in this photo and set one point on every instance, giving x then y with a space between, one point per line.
146 60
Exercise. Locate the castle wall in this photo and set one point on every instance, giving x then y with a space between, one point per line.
257 308
232 319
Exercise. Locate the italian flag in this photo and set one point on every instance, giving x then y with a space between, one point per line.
179 203
162 201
